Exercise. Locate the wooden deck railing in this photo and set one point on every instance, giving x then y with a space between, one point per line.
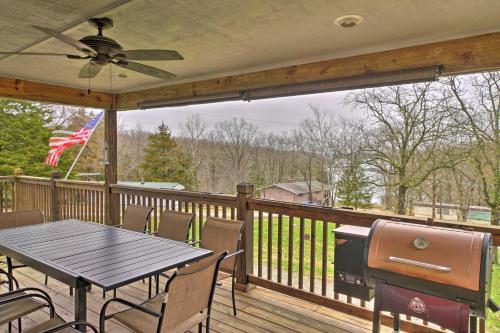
288 247
6 194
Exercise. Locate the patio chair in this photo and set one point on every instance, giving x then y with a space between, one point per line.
136 219
224 235
186 302
173 225
17 302
19 219
21 302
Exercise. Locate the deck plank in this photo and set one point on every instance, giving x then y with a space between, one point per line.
259 310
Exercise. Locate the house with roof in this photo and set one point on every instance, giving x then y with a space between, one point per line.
296 192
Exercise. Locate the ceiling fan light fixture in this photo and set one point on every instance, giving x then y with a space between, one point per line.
349 21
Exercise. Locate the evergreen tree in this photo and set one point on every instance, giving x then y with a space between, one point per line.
24 136
354 188
163 160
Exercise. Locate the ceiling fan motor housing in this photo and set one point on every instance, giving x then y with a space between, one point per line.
102 44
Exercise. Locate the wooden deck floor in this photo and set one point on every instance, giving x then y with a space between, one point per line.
259 310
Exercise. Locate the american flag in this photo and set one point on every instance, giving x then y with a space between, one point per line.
58 144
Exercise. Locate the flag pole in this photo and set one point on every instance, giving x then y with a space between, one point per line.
81 150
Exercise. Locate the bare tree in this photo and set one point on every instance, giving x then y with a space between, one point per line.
306 157
194 130
131 144
237 138
474 104
405 135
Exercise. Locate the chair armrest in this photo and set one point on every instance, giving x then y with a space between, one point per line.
23 296
11 279
25 290
240 251
71 324
130 304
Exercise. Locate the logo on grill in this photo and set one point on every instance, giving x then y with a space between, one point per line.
417 305
421 243
341 241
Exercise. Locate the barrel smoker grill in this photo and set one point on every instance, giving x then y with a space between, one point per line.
448 263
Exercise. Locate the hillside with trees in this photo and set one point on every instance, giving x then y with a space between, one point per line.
428 142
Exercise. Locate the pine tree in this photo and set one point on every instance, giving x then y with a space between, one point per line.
24 136
163 160
354 188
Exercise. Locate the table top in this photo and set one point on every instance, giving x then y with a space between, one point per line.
102 255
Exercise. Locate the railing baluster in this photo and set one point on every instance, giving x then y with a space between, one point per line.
312 265
280 246
156 223
260 245
200 219
301 254
324 259
193 225
290 250
269 246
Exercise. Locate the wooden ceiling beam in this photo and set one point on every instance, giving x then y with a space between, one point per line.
458 56
42 92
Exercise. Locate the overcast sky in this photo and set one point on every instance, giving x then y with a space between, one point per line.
270 115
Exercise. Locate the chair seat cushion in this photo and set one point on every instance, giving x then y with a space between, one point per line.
142 322
51 323
17 309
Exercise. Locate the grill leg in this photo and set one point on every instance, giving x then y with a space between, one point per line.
376 311
395 322
473 324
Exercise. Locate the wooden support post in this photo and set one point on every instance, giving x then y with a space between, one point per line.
111 166
54 204
245 260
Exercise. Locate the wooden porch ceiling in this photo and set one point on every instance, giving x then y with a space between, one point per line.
457 56
230 46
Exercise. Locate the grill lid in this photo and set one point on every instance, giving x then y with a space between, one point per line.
447 256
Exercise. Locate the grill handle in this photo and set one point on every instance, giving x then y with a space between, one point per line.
419 264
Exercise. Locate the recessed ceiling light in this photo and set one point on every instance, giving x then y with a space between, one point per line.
349 21
124 75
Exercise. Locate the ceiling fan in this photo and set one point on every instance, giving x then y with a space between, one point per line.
100 50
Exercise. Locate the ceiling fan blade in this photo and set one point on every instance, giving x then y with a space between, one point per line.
145 69
152 55
42 54
68 40
89 70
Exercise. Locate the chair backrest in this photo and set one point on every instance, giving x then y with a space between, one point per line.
221 235
175 225
20 218
190 291
136 218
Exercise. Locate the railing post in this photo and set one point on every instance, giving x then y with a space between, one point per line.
112 212
245 261
54 204
15 197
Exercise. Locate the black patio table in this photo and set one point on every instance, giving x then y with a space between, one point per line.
80 253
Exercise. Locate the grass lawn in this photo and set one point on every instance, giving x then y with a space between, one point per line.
493 322
308 245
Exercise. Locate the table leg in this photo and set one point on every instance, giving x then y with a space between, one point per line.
81 305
